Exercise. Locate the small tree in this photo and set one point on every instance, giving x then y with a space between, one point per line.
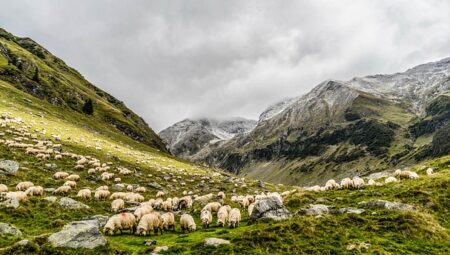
88 107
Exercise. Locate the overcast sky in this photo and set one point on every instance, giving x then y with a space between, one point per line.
170 60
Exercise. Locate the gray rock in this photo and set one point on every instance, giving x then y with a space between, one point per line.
118 187
215 241
78 234
160 249
101 220
349 210
270 208
9 167
315 209
51 166
51 199
49 190
8 229
154 185
10 203
383 204
70 203
23 242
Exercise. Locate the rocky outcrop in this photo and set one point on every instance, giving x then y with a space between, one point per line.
383 204
9 167
212 241
79 234
69 203
270 208
8 229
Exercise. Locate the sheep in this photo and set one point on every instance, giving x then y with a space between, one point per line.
117 205
72 184
206 218
140 190
73 177
166 205
371 182
150 222
187 223
3 188
221 195
35 191
429 171
141 211
117 179
222 216
84 193
358 182
130 188
101 194
104 187
234 218
78 167
133 197
63 190
168 221
22 186
250 209
212 207
405 174
390 179
60 175
107 176
160 194
117 195
244 202
17 195
91 171
346 183
122 221
330 184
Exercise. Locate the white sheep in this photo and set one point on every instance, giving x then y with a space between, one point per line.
168 221
166 205
72 184
117 195
143 210
222 216
130 187
63 190
212 207
160 194
346 183
206 218
187 223
17 195
35 191
371 182
73 177
60 175
3 188
22 186
104 187
406 174
429 171
150 222
119 222
330 184
133 197
117 179
234 218
101 194
250 209
221 195
390 179
358 182
117 205
84 193
140 190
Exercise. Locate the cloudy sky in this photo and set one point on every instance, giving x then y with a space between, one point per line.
169 60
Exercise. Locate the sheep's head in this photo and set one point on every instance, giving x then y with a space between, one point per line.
141 231
108 230
192 227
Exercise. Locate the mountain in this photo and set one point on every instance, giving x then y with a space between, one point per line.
358 126
190 138
31 68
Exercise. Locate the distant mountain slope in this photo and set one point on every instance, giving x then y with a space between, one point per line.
347 127
188 138
31 68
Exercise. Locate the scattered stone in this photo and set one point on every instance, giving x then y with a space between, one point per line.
315 209
23 242
78 234
49 190
383 204
10 203
70 203
118 187
149 242
51 199
154 185
51 166
9 167
270 208
8 229
215 241
101 220
351 210
358 247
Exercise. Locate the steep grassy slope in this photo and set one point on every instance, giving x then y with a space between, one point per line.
31 68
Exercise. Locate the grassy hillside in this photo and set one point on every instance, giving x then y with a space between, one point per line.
31 68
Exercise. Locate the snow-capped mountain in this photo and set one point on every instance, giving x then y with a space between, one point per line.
188 137
276 108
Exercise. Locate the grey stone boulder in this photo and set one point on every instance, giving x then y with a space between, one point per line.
78 234
351 210
10 203
315 209
383 204
212 241
154 185
101 220
51 199
69 203
8 229
270 208
49 190
9 167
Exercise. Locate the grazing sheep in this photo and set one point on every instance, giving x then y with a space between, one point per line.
107 176
222 216
104 187
63 190
17 195
234 218
119 222
35 191
371 182
117 180
185 203
206 218
160 194
150 222
250 209
221 195
140 190
117 205
117 195
3 188
143 210
60 175
390 179
73 177
84 193
212 207
101 194
166 205
130 188
358 182
330 184
22 186
187 223
429 171
78 167
134 197
72 184
405 174
346 183
244 202
168 221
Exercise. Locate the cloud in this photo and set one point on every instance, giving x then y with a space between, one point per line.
169 60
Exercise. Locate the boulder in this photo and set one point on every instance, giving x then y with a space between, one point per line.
9 167
315 209
270 208
383 204
51 199
10 203
154 185
49 190
215 241
101 220
78 234
70 203
8 229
